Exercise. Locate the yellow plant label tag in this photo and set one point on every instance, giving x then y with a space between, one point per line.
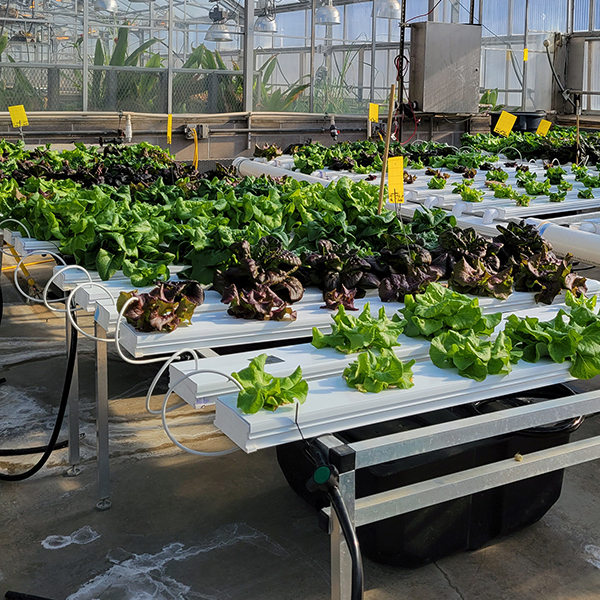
525 54
374 113
18 115
169 128
543 128
508 55
396 179
505 123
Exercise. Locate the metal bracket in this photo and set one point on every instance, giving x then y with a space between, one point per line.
188 131
202 131
73 471
103 505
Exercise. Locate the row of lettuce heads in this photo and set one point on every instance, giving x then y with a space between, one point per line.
260 242
461 339
479 151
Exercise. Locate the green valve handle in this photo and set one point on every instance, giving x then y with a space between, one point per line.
324 478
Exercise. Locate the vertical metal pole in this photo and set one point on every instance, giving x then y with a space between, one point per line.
525 41
472 13
313 38
248 55
84 46
102 420
508 65
570 16
341 562
402 49
151 20
481 11
170 61
454 11
373 48
74 457
433 10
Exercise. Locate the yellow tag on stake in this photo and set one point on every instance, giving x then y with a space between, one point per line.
543 128
396 179
169 128
18 115
505 123
373 113
525 54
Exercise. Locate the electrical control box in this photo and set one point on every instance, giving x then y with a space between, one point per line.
445 61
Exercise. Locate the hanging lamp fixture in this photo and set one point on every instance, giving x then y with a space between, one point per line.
327 14
265 22
388 9
218 31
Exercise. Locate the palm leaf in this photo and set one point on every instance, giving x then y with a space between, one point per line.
148 81
99 58
120 52
132 59
268 67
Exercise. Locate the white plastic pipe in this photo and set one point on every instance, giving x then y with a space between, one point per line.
248 167
432 201
590 227
582 245
459 208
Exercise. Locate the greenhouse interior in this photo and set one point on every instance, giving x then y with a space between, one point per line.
382 218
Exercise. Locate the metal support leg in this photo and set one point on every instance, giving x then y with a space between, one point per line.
74 456
102 420
341 563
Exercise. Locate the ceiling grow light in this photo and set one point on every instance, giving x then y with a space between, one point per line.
265 23
218 31
110 6
388 9
327 14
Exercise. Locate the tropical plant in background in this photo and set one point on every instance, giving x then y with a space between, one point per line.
20 91
489 101
207 92
332 93
125 90
271 97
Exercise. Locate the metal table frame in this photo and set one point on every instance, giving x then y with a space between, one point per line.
349 457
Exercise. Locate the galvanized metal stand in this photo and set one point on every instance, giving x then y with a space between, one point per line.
102 419
74 454
349 457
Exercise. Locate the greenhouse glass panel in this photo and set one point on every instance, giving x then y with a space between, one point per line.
547 15
291 28
359 21
581 15
495 18
415 9
518 17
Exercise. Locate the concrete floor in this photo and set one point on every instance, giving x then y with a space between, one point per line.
183 527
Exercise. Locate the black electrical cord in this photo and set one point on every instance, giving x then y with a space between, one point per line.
71 357
337 503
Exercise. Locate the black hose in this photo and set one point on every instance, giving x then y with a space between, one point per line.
19 596
32 450
558 81
71 357
337 503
